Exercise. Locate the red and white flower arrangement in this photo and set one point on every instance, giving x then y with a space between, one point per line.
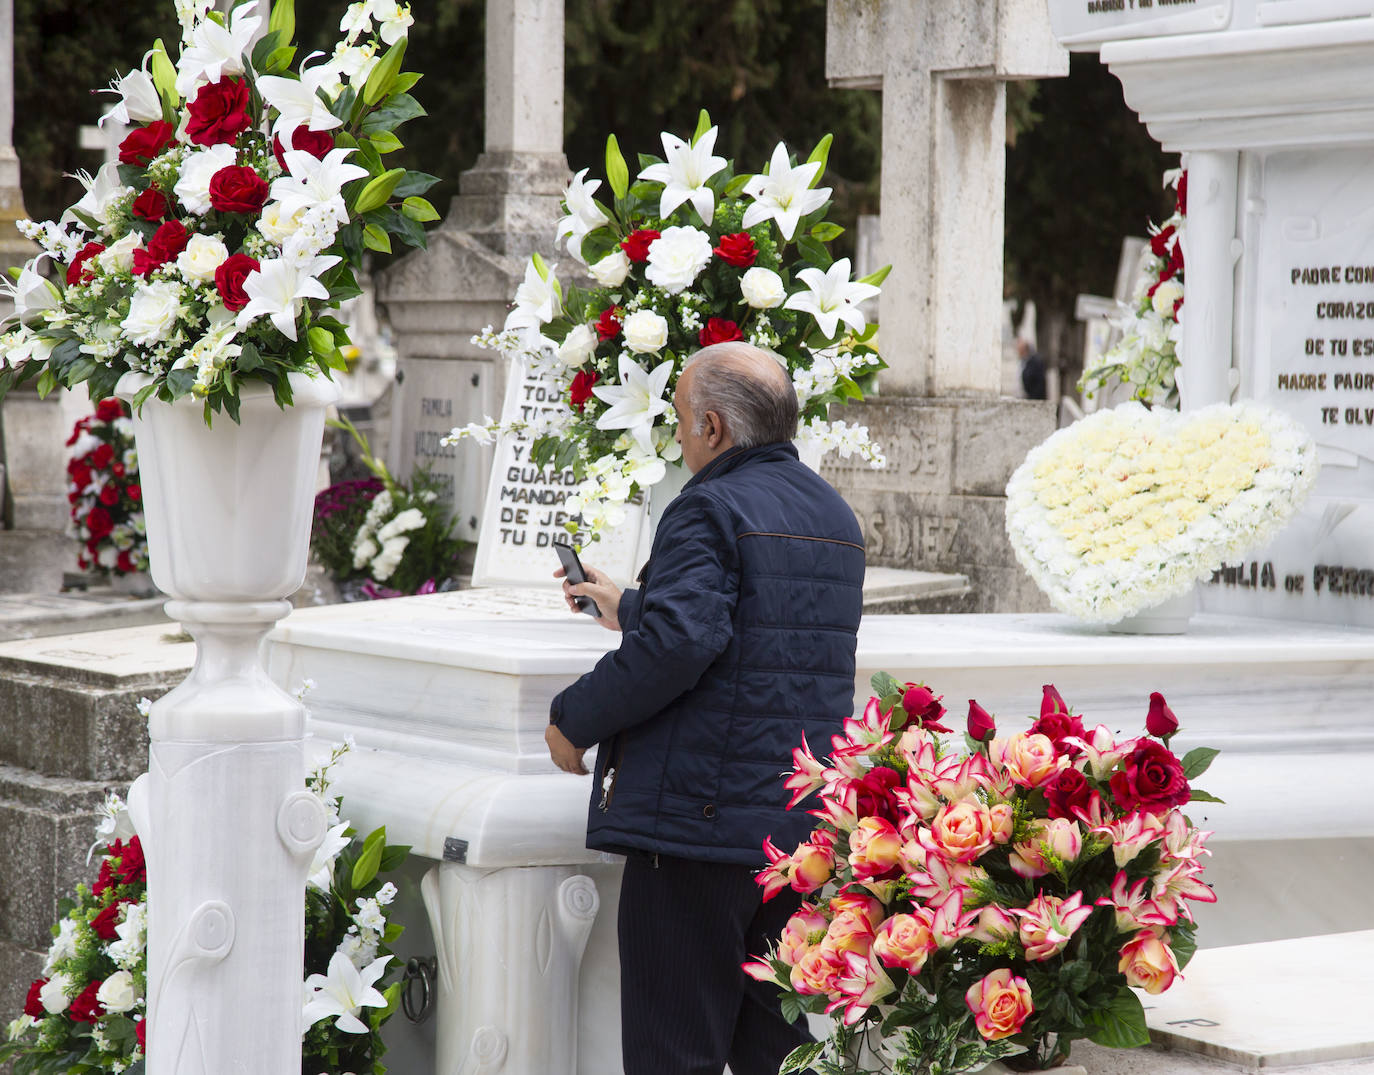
104 493
1146 358
998 902
686 255
240 206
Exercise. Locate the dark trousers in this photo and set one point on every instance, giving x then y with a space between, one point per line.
686 1008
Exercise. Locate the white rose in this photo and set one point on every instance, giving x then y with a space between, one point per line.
677 257
202 256
1166 295
153 311
578 346
193 187
645 332
762 288
119 256
611 270
277 228
116 992
53 996
63 945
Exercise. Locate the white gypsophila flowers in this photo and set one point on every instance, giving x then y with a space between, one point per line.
1129 507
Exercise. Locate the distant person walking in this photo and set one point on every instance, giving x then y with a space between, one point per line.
1032 369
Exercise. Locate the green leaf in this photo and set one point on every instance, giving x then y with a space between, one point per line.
376 193
250 358
802 1057
279 60
369 859
1121 1025
1203 797
321 340
47 381
419 210
382 80
883 684
399 109
376 239
825 231
283 19
265 46
405 80
733 188
877 278
820 153
143 394
617 172
813 252
393 857
703 125
414 183
385 142
1196 761
1183 944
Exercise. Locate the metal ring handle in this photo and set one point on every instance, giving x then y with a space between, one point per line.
422 971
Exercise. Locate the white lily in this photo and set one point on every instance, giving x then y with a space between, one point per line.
784 194
322 865
102 192
278 288
644 468
313 183
636 401
684 174
393 20
32 293
215 50
138 99
832 298
538 300
297 101
343 992
357 20
584 214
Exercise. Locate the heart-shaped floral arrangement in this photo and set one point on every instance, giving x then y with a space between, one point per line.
1130 506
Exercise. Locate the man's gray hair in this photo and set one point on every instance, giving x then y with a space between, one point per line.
748 389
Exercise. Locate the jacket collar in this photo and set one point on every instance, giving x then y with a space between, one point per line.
735 458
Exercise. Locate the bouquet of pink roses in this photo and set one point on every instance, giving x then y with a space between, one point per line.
996 903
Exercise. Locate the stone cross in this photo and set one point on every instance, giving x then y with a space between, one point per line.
941 66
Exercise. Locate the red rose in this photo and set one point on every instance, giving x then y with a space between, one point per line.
77 273
124 562
316 143
107 410
1151 779
117 469
1159 245
32 1005
1160 720
738 249
145 143
103 924
608 325
719 330
131 869
219 112
981 726
1056 722
922 706
229 279
874 793
79 473
106 876
636 244
134 492
101 456
150 205
1066 792
581 389
98 522
1051 701
141 1032
85 1008
167 242
109 495
238 189
1183 193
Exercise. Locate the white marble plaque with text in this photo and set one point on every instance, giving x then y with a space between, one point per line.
524 513
1090 22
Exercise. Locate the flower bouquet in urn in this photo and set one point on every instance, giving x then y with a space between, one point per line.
686 254
999 902
241 204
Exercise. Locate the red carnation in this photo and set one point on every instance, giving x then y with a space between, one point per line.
636 244
1159 245
219 112
103 924
1151 779
738 249
101 456
98 523
108 410
229 278
719 330
77 273
32 1005
150 205
981 726
922 706
109 495
145 143
581 389
608 325
316 143
238 189
85 1008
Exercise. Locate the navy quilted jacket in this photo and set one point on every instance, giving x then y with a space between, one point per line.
741 638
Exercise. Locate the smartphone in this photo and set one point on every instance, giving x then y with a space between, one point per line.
572 567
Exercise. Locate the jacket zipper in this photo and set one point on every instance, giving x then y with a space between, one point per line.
612 772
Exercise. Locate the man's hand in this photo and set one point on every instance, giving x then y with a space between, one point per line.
600 589
566 756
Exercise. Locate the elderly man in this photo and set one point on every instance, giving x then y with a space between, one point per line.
740 639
